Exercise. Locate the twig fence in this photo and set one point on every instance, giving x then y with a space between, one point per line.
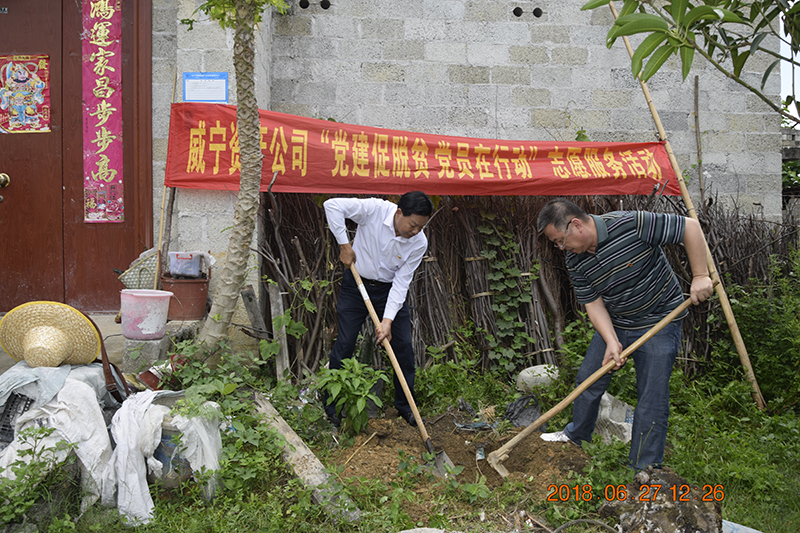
450 297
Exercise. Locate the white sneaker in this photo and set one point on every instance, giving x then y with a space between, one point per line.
558 436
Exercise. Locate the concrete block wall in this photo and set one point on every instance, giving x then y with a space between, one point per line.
467 68
472 68
200 218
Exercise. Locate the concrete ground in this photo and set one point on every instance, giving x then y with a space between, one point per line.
109 330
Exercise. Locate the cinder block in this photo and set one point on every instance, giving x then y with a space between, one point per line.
570 56
529 97
139 355
382 72
202 37
445 52
467 74
294 26
549 34
383 29
511 75
486 55
531 55
604 99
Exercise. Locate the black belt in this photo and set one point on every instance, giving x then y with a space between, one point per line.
374 283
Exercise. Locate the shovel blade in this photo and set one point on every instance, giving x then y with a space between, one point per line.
441 465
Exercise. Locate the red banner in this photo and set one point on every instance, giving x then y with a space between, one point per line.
320 156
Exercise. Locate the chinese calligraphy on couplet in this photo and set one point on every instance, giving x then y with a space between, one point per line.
102 111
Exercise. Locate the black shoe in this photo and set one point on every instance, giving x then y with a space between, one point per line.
409 417
333 419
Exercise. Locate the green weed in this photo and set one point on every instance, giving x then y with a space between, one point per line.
349 388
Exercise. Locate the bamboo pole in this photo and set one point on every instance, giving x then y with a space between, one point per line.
160 260
723 297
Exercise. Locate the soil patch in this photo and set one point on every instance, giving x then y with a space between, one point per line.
375 452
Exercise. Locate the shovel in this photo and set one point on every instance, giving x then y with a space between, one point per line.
441 459
502 453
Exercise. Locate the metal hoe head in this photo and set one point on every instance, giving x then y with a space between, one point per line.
441 464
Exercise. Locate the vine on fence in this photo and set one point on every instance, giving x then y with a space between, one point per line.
511 293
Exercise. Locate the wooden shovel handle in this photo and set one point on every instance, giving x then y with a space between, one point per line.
397 371
501 454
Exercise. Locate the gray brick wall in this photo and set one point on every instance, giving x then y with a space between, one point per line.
469 68
472 68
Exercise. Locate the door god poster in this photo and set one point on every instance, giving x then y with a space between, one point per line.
24 93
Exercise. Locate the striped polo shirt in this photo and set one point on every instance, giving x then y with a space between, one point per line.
629 269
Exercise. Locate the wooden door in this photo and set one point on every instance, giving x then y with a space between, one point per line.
31 219
47 251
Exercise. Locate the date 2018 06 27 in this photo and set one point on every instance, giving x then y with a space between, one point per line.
646 493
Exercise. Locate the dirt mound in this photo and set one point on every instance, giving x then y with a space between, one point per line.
375 452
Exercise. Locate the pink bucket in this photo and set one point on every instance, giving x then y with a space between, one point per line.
144 313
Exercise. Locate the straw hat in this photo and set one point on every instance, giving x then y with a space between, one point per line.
49 334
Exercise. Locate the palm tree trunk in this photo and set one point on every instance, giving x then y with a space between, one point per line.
232 275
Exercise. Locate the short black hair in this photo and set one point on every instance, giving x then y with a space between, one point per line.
415 203
559 212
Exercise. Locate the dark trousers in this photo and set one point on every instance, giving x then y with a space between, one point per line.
352 311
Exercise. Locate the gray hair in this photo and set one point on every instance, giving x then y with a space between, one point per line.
559 212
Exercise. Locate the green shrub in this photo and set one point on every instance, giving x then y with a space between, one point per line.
349 388
768 316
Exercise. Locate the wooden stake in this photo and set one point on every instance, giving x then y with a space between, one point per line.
276 307
723 297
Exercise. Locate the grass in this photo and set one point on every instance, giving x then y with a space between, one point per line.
717 437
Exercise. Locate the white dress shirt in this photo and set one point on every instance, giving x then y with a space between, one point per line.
380 254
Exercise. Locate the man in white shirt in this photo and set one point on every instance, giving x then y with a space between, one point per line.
388 247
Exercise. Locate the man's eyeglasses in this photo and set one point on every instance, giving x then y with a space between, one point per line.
560 245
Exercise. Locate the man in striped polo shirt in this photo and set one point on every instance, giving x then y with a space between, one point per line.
620 273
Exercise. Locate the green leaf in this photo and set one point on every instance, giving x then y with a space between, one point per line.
678 9
658 59
636 17
767 73
757 41
650 43
687 56
629 7
593 4
229 388
730 16
334 390
644 22
701 13
738 63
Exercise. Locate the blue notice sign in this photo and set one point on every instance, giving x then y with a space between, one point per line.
209 87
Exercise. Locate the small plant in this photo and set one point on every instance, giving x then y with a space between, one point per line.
349 388
249 447
31 471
